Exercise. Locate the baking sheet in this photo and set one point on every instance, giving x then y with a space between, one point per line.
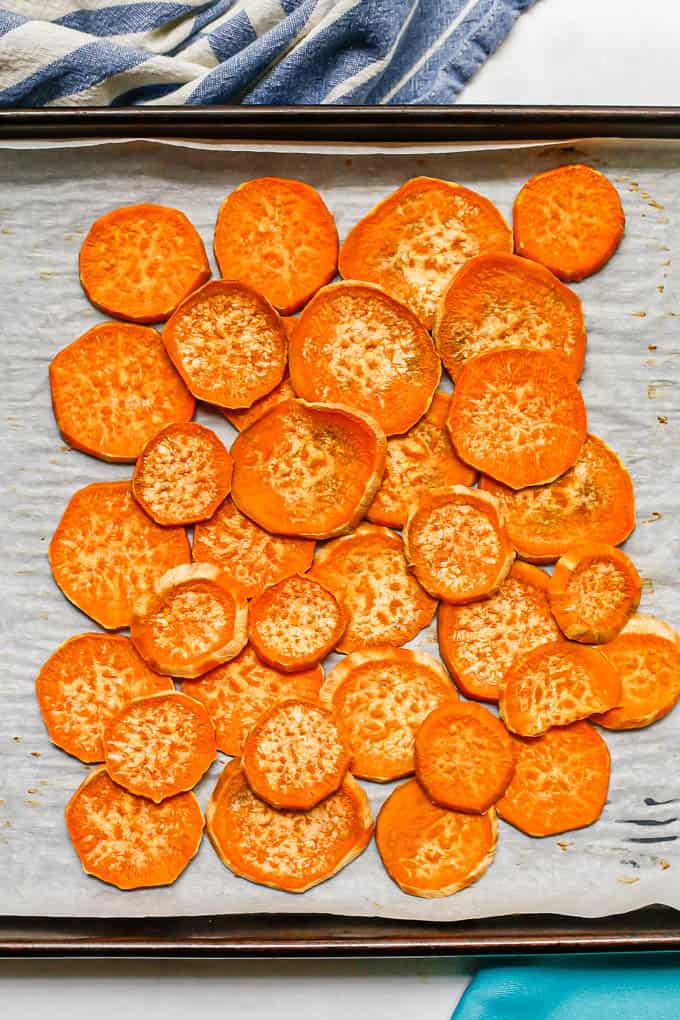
49 197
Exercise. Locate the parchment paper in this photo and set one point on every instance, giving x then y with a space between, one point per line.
49 197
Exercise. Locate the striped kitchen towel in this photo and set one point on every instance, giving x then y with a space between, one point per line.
202 52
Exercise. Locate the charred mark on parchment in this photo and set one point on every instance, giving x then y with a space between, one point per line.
650 802
645 821
633 864
652 839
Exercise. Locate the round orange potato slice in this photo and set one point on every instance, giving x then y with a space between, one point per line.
248 416
190 622
160 745
228 344
593 591
380 697
85 683
113 389
464 757
236 694
421 460
457 545
288 850
646 656
355 345
556 684
413 242
592 501
500 300
106 552
480 641
139 261
278 236
309 470
295 755
129 841
517 416
428 850
295 623
383 601
560 782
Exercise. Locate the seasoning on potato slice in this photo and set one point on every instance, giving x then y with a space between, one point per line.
500 300
113 389
106 552
129 841
228 344
413 242
242 419
556 684
278 236
517 416
383 601
646 656
182 475
357 346
288 850
380 697
480 640
457 545
430 851
85 683
593 501
160 745
295 755
570 219
593 591
190 622
308 469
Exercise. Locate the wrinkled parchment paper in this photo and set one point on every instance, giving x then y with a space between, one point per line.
49 197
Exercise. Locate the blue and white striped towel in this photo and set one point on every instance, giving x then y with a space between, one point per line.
201 52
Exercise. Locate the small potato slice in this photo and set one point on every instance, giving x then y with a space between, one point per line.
381 697
284 391
593 591
160 745
367 572
289 850
129 841
457 545
191 622
295 755
85 683
430 851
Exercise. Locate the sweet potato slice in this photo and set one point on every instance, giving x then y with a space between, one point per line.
412 242
308 469
106 552
242 419
560 782
289 850
295 623
570 219
182 475
593 591
480 641
228 344
85 683
295 755
160 745
556 684
593 501
128 841
457 545
278 236
190 622
421 460
430 851
517 416
368 573
236 694
380 698
646 656
497 301
113 389
139 261
355 345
